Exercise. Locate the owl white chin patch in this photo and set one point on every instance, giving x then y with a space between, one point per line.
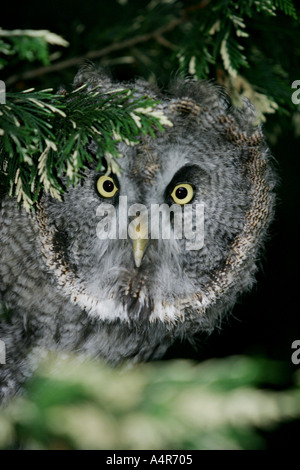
112 309
109 309
164 312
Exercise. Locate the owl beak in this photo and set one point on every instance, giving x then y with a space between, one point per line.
139 248
138 232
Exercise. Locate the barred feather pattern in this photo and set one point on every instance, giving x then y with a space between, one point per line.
63 288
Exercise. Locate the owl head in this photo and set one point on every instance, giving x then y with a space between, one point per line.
175 236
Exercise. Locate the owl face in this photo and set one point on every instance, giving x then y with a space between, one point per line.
212 162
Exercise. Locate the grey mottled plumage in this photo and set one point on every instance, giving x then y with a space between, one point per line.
65 289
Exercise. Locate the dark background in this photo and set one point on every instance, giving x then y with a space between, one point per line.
264 321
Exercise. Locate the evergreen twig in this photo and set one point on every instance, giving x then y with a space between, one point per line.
44 136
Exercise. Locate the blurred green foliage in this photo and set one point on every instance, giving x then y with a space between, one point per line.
218 404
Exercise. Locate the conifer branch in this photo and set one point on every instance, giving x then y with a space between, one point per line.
45 136
92 55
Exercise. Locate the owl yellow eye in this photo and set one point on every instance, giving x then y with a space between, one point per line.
182 193
106 186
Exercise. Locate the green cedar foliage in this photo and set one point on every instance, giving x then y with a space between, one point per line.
242 44
45 135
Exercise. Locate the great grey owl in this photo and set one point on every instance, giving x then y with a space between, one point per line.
65 287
